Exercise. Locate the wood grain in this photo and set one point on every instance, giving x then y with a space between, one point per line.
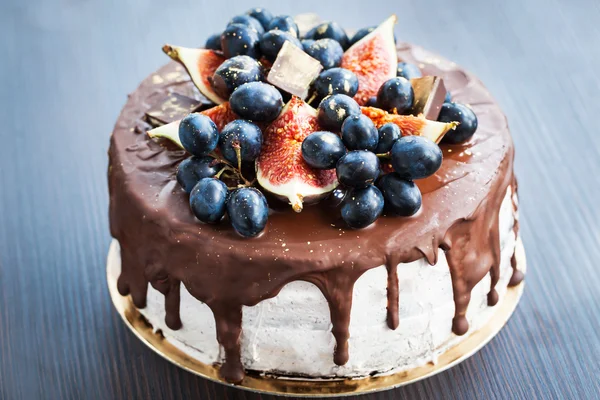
66 66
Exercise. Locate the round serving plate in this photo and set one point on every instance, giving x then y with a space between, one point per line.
305 388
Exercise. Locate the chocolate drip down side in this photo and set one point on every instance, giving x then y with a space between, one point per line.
162 244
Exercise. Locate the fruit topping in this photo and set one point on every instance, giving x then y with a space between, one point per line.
329 30
396 95
362 207
272 42
415 157
359 133
336 81
171 107
466 119
239 40
281 169
256 101
200 64
334 109
221 115
373 59
402 197
361 33
234 72
336 197
198 134
284 23
358 168
263 16
430 93
213 42
192 169
388 134
248 211
409 124
293 71
372 102
248 21
328 51
322 150
409 71
448 98
240 142
306 43
208 200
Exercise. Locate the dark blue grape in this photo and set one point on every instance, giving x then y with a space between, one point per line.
239 40
284 23
192 169
362 207
263 16
213 42
336 81
248 211
372 102
408 71
361 33
359 133
337 196
388 134
234 72
198 134
464 116
327 51
256 101
334 109
358 168
208 200
272 42
306 43
402 197
415 157
248 21
396 93
322 150
329 30
243 134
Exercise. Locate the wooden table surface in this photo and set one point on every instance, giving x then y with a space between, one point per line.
66 67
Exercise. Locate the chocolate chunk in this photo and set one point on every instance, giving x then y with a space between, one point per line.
172 107
429 96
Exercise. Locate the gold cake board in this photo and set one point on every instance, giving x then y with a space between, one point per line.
313 388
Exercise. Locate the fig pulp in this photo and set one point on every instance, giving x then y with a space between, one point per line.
221 115
373 59
201 64
409 124
281 169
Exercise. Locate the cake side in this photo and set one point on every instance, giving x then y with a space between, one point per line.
163 245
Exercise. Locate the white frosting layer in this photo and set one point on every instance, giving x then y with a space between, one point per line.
291 333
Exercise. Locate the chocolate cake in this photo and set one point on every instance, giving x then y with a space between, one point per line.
310 297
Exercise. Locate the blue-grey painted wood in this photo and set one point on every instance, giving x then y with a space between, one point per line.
65 69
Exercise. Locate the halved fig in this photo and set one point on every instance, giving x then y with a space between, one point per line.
373 59
409 124
280 168
200 64
221 116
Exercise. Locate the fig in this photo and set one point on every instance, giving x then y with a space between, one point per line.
373 59
409 124
221 115
201 64
281 169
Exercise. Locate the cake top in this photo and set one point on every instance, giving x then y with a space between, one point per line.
319 119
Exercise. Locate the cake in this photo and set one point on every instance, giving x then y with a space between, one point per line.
310 297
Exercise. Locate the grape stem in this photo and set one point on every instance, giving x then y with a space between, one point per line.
228 167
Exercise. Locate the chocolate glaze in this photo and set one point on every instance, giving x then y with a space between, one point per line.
163 244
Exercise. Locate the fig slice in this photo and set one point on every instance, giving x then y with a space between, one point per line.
221 116
373 59
280 167
200 64
409 124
